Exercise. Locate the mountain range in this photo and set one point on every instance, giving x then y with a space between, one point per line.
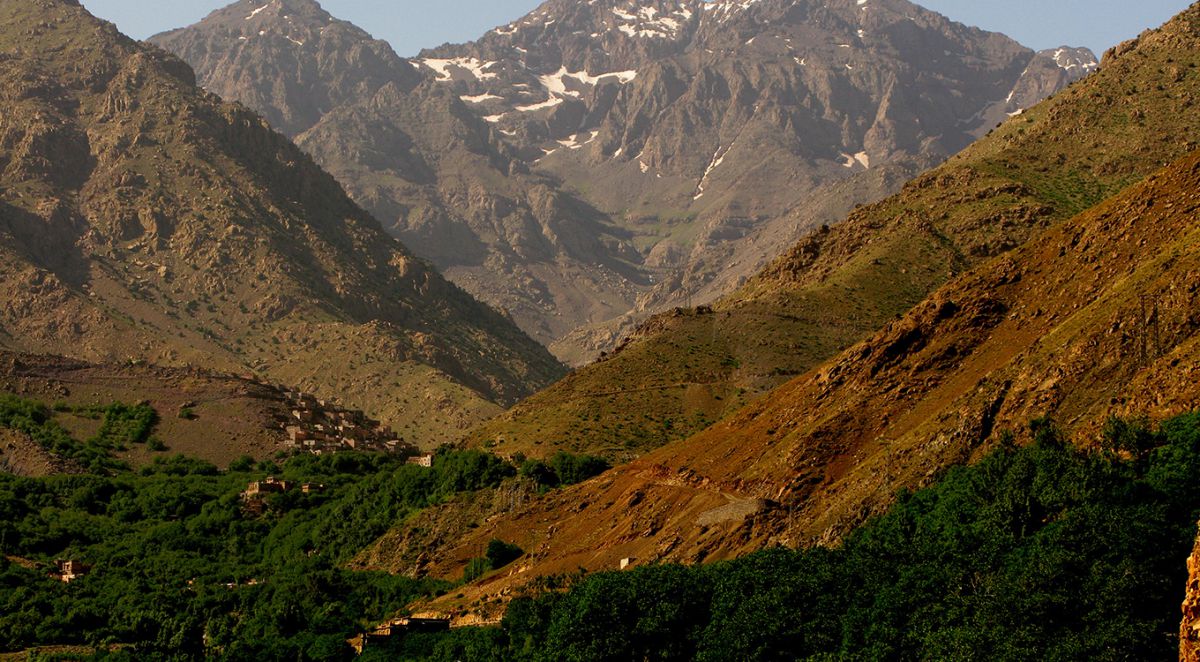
684 370
593 163
871 292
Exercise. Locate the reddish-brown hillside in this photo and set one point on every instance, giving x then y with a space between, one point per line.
1189 627
1098 316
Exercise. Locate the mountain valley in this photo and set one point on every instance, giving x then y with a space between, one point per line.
1084 318
633 329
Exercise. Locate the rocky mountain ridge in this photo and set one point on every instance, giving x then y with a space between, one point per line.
613 158
141 218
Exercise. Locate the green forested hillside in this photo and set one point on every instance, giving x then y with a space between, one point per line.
184 568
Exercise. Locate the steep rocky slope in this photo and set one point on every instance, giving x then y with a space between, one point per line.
142 218
717 132
1095 317
683 370
594 162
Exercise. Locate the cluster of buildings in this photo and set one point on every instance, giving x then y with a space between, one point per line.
316 426
394 629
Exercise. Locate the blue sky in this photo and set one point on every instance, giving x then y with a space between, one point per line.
411 25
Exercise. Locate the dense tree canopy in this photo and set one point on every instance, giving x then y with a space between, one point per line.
180 569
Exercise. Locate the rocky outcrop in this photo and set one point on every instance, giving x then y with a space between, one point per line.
1189 629
1048 72
340 61
21 456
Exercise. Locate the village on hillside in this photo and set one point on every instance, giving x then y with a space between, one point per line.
318 426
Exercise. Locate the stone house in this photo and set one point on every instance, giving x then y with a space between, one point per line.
69 570
423 460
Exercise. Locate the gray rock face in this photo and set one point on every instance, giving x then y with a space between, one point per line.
1048 72
595 162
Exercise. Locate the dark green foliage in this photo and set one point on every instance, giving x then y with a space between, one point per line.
475 569
121 425
572 469
463 471
1044 552
540 473
180 465
500 553
650 614
243 464
182 572
124 425
458 644
1135 437
563 469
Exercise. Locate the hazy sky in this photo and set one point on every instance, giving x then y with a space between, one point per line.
411 25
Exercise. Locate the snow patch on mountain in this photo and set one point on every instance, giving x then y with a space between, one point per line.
557 82
1071 58
574 142
549 103
445 68
717 159
723 10
480 98
862 158
650 23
